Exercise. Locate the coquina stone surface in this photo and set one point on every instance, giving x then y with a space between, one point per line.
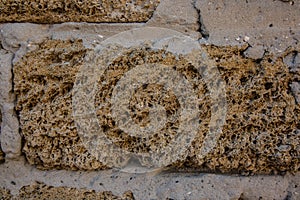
57 146
58 11
261 133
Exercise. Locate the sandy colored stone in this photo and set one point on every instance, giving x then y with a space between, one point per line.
76 11
261 133
43 85
5 194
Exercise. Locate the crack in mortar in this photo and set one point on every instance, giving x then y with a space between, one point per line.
202 29
294 55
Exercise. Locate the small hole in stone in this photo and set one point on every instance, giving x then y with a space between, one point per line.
243 80
268 85
270 25
226 149
105 128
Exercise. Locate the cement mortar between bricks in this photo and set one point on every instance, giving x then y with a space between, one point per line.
16 174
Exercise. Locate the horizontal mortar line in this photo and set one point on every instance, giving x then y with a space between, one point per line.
119 182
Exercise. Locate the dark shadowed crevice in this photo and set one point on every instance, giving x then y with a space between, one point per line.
2 155
202 29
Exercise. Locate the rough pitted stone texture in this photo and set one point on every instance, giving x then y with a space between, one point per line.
262 128
261 133
43 83
41 191
5 194
58 11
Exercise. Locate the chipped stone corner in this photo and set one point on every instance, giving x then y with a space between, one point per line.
180 16
291 59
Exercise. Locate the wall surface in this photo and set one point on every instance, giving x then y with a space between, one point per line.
195 93
58 11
